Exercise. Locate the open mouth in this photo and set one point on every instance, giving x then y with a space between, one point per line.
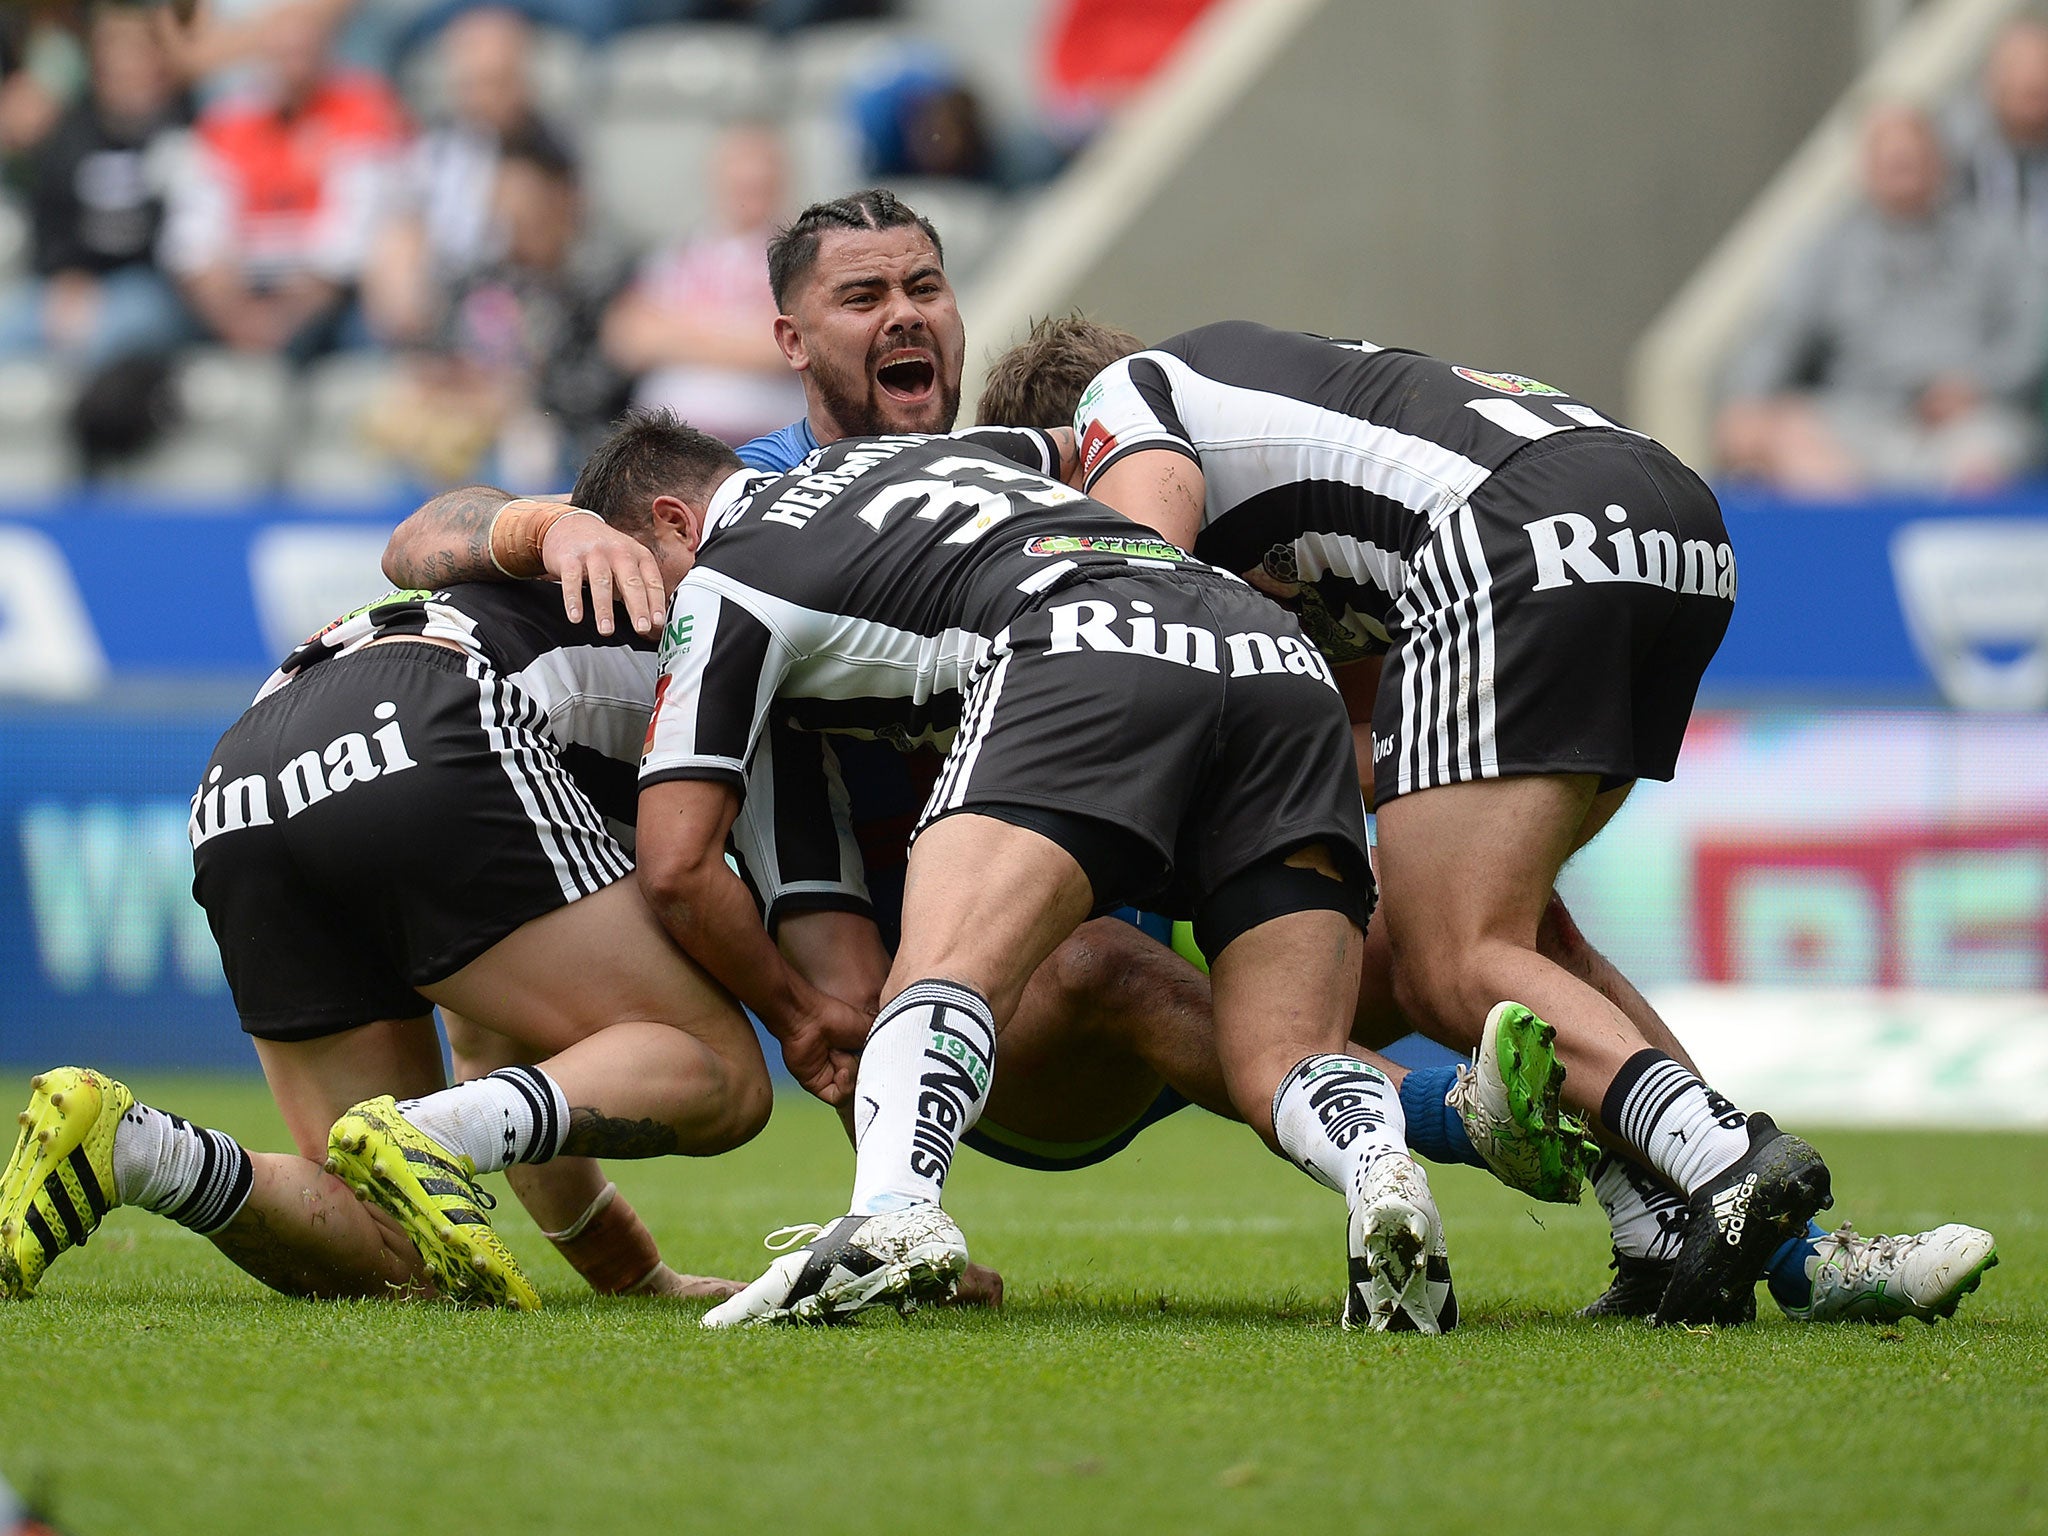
907 378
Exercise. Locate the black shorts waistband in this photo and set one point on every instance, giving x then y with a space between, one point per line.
1195 572
1569 439
415 653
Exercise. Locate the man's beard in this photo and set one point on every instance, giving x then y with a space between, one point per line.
856 402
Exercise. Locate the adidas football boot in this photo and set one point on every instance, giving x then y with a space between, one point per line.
899 1259
1508 1102
1884 1279
1735 1222
433 1194
1400 1274
60 1180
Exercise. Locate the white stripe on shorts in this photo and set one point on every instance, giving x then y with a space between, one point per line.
951 791
572 834
1447 662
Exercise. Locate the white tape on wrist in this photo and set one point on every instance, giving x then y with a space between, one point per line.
574 1230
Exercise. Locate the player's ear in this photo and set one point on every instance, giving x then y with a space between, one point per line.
791 340
680 518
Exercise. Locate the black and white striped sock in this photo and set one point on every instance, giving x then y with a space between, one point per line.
1645 1218
165 1163
1683 1129
513 1115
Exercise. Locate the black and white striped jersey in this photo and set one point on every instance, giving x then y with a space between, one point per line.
596 690
859 592
1327 463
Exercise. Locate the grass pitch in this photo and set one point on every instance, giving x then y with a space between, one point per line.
1168 1360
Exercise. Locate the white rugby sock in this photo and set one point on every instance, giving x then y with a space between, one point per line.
1645 1217
165 1163
1333 1114
514 1115
1683 1129
924 1079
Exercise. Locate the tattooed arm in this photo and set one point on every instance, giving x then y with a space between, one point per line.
449 540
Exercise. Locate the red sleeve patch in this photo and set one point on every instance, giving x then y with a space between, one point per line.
660 692
1097 443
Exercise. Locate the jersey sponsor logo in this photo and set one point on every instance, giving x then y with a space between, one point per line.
1088 625
312 776
1382 748
946 1096
1506 383
675 640
1097 444
1100 544
1345 1094
1566 546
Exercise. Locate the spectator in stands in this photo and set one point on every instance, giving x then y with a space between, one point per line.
271 220
441 229
517 366
42 69
698 324
918 117
225 46
96 201
1924 322
1999 138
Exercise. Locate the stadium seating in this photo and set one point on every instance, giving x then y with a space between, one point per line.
646 107
709 68
35 456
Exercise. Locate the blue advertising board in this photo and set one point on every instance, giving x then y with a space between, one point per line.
130 639
104 956
1905 600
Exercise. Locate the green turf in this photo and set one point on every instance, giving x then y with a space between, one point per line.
1168 1361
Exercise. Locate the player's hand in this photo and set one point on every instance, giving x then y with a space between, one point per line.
818 1046
979 1286
666 1282
582 552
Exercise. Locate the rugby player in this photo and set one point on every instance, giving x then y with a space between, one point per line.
910 585
1106 1033
1520 665
870 323
412 813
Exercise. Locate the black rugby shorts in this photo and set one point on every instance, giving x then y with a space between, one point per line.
1559 623
1182 711
377 824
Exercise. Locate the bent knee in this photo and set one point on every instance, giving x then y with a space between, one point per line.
746 1102
1558 938
1109 970
1443 990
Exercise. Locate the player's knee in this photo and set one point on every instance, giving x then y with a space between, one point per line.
745 1105
1559 940
1430 984
1093 969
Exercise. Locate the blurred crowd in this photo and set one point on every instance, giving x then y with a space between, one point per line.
378 191
1907 349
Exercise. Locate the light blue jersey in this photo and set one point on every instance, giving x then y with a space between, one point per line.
779 452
